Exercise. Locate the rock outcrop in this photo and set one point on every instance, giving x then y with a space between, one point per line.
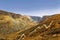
49 29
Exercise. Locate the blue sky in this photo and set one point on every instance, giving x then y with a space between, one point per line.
31 7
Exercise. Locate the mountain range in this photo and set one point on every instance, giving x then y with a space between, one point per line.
36 18
22 27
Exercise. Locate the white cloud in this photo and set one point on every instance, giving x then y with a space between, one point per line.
41 12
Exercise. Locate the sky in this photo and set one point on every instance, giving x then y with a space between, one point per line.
31 7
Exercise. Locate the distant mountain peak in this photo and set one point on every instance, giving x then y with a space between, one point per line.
36 18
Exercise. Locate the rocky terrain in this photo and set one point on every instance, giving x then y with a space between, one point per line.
49 29
11 23
19 27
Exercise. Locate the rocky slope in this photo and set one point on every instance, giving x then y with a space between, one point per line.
17 27
49 29
11 23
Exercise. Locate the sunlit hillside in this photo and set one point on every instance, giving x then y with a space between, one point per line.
11 23
21 27
49 29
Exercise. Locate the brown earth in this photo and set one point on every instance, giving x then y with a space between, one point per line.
17 27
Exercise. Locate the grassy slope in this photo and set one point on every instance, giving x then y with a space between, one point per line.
11 24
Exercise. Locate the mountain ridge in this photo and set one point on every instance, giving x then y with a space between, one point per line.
50 27
19 27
